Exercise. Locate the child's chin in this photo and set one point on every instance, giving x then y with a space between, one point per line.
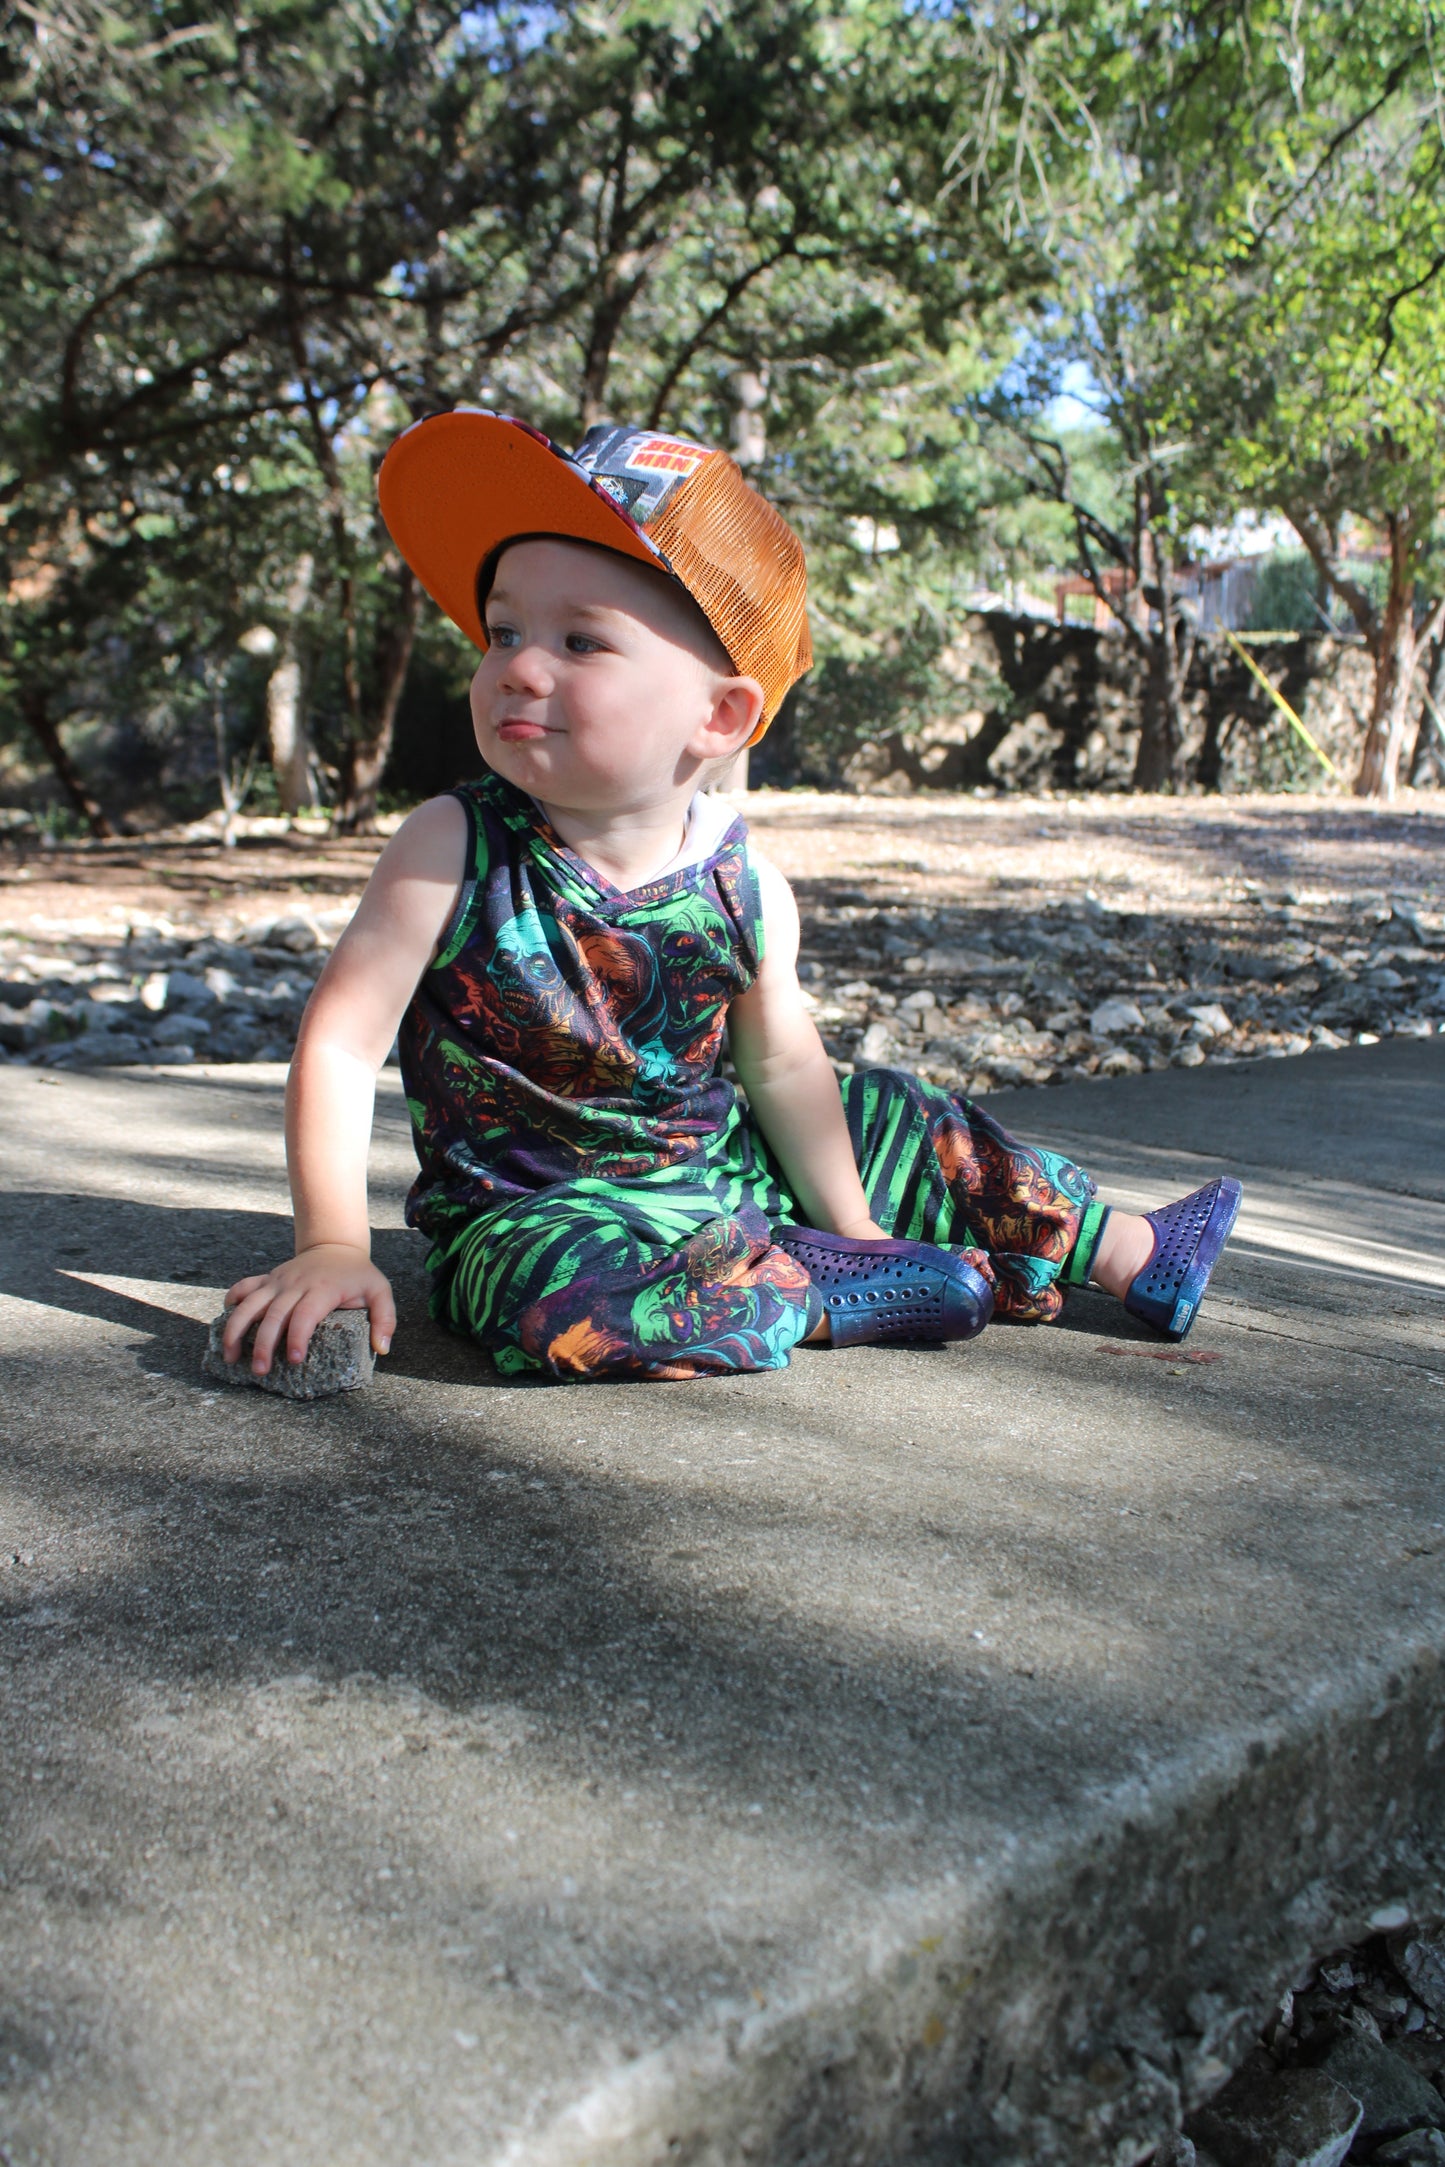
517 758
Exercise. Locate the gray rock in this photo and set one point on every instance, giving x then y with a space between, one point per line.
963 962
1266 2117
1253 963
178 1030
1417 2148
101 1049
103 1010
1420 1961
296 934
228 954
339 1359
1176 2151
1404 914
1118 1014
1353 1006
21 1028
1392 2092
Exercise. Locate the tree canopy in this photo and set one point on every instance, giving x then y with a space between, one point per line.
865 241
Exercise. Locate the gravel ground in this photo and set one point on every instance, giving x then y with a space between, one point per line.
1350 2068
979 943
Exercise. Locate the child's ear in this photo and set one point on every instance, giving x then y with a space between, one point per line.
736 712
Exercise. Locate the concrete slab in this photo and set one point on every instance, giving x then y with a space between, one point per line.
917 1756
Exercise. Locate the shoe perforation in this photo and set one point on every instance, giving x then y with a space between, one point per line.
1166 1292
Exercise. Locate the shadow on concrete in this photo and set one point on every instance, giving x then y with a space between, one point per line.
447 1572
901 1614
212 1248
449 1552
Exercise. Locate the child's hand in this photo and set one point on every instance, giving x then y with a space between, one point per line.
296 1296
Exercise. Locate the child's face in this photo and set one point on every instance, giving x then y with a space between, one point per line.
599 691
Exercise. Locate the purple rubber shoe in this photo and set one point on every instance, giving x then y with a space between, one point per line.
876 1290
1188 1237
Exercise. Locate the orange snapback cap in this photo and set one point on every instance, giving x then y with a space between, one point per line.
457 487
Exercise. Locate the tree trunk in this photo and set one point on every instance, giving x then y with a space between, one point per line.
1396 648
1384 633
1161 735
1157 757
365 758
1431 731
36 709
287 738
750 422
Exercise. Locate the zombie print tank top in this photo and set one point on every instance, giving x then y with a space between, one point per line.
567 1028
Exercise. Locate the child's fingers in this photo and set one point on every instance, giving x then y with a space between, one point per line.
275 1305
243 1287
383 1319
305 1317
269 1330
245 1303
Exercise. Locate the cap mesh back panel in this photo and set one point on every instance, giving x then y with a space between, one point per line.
742 562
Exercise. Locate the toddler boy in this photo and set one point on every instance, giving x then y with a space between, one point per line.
562 945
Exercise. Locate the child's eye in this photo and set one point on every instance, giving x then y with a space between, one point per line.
579 644
502 635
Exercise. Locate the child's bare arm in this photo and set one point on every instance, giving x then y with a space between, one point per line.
789 1079
349 1024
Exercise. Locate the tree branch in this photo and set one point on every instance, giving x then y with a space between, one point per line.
1405 293
690 347
1337 143
1317 541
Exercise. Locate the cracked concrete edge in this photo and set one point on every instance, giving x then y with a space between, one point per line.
1093 1995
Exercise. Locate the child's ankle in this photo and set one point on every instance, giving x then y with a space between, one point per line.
1125 1247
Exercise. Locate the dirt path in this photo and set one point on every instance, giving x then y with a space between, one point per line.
1139 854
976 941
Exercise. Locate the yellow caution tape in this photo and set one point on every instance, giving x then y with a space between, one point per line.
1282 704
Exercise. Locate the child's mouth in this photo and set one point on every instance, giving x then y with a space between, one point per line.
513 732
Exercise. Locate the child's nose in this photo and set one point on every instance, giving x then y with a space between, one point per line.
528 668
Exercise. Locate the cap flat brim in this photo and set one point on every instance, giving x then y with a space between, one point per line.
456 486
